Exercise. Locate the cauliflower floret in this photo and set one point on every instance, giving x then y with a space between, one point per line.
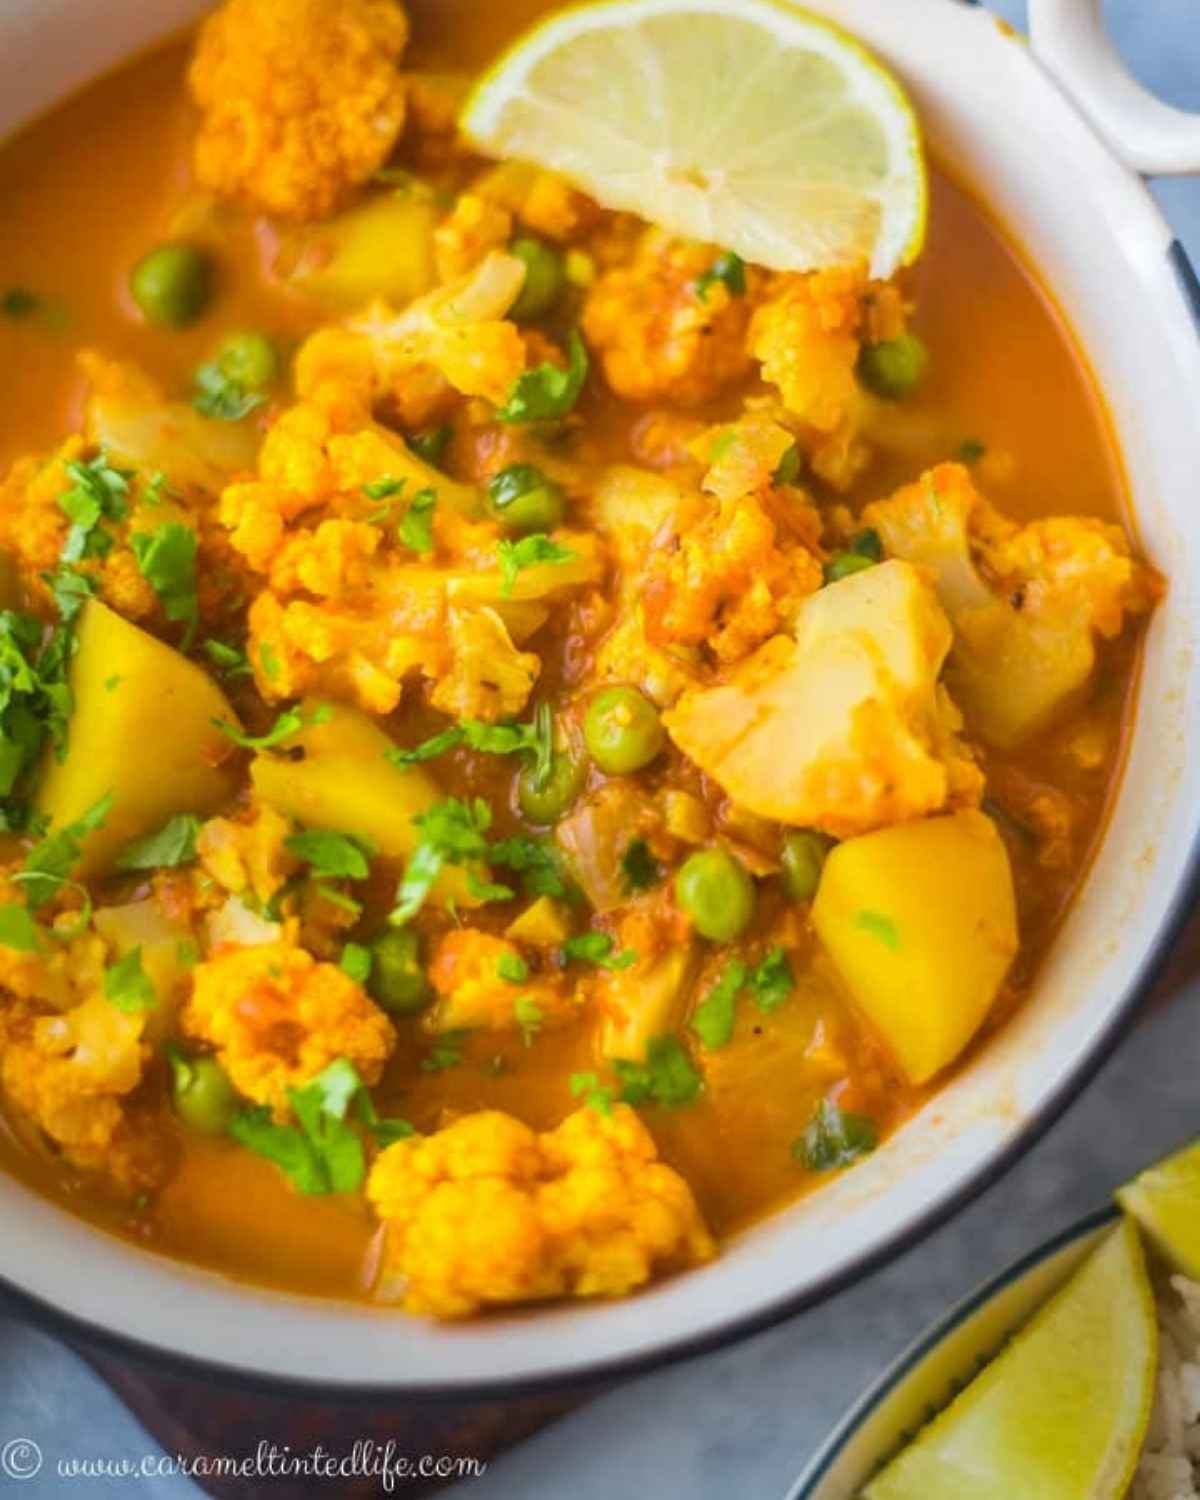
487 1212
277 1017
1026 602
660 337
488 677
301 100
71 1073
845 727
465 971
156 462
248 854
541 200
473 228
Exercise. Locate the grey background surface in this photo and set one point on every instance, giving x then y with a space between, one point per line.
744 1421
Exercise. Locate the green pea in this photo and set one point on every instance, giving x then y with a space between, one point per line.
397 982
547 803
202 1094
803 857
544 278
521 498
172 284
249 359
622 730
864 551
714 890
893 368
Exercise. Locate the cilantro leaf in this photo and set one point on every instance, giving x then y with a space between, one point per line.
639 869
18 929
332 856
488 890
384 487
446 1052
431 445
71 590
730 270
416 525
167 560
529 1016
879 926
772 980
19 302
219 396
547 392
452 832
98 493
49 864
715 1015
535 862
227 659
834 1138
534 738
288 723
173 844
357 961
596 948
971 450
514 557
512 969
35 701
588 1087
128 986
667 1077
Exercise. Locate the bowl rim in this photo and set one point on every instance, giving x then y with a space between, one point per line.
567 1374
807 1486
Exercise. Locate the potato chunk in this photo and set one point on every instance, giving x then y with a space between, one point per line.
843 728
141 728
920 921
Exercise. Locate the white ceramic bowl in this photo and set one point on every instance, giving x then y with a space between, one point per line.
1087 222
929 1373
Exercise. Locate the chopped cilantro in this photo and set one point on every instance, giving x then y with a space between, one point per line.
728 269
512 969
787 470
536 863
484 891
529 1016
71 590
167 559
219 396
173 844
833 1138
880 927
18 302
588 1087
534 738
98 493
772 980
332 856
322 1152
227 659
667 1077
639 869
35 702
547 392
49 864
446 1052
289 722
452 832
715 1015
596 948
187 955
268 660
416 525
971 450
514 557
383 488
18 929
431 445
128 986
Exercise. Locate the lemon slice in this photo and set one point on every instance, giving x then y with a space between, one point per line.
747 123
1061 1414
1165 1200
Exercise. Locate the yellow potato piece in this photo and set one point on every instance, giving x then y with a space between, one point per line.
381 248
345 783
141 728
920 921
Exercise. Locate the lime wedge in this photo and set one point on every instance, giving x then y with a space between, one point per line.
750 124
1061 1414
1165 1200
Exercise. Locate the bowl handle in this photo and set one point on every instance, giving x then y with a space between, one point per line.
1070 40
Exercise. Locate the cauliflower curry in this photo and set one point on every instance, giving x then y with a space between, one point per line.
525 743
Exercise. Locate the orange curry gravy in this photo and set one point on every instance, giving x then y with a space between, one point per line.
86 190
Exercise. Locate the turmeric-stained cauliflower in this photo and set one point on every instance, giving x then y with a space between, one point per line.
69 1060
667 331
248 854
300 100
141 464
1027 602
478 981
277 1017
845 727
487 1212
